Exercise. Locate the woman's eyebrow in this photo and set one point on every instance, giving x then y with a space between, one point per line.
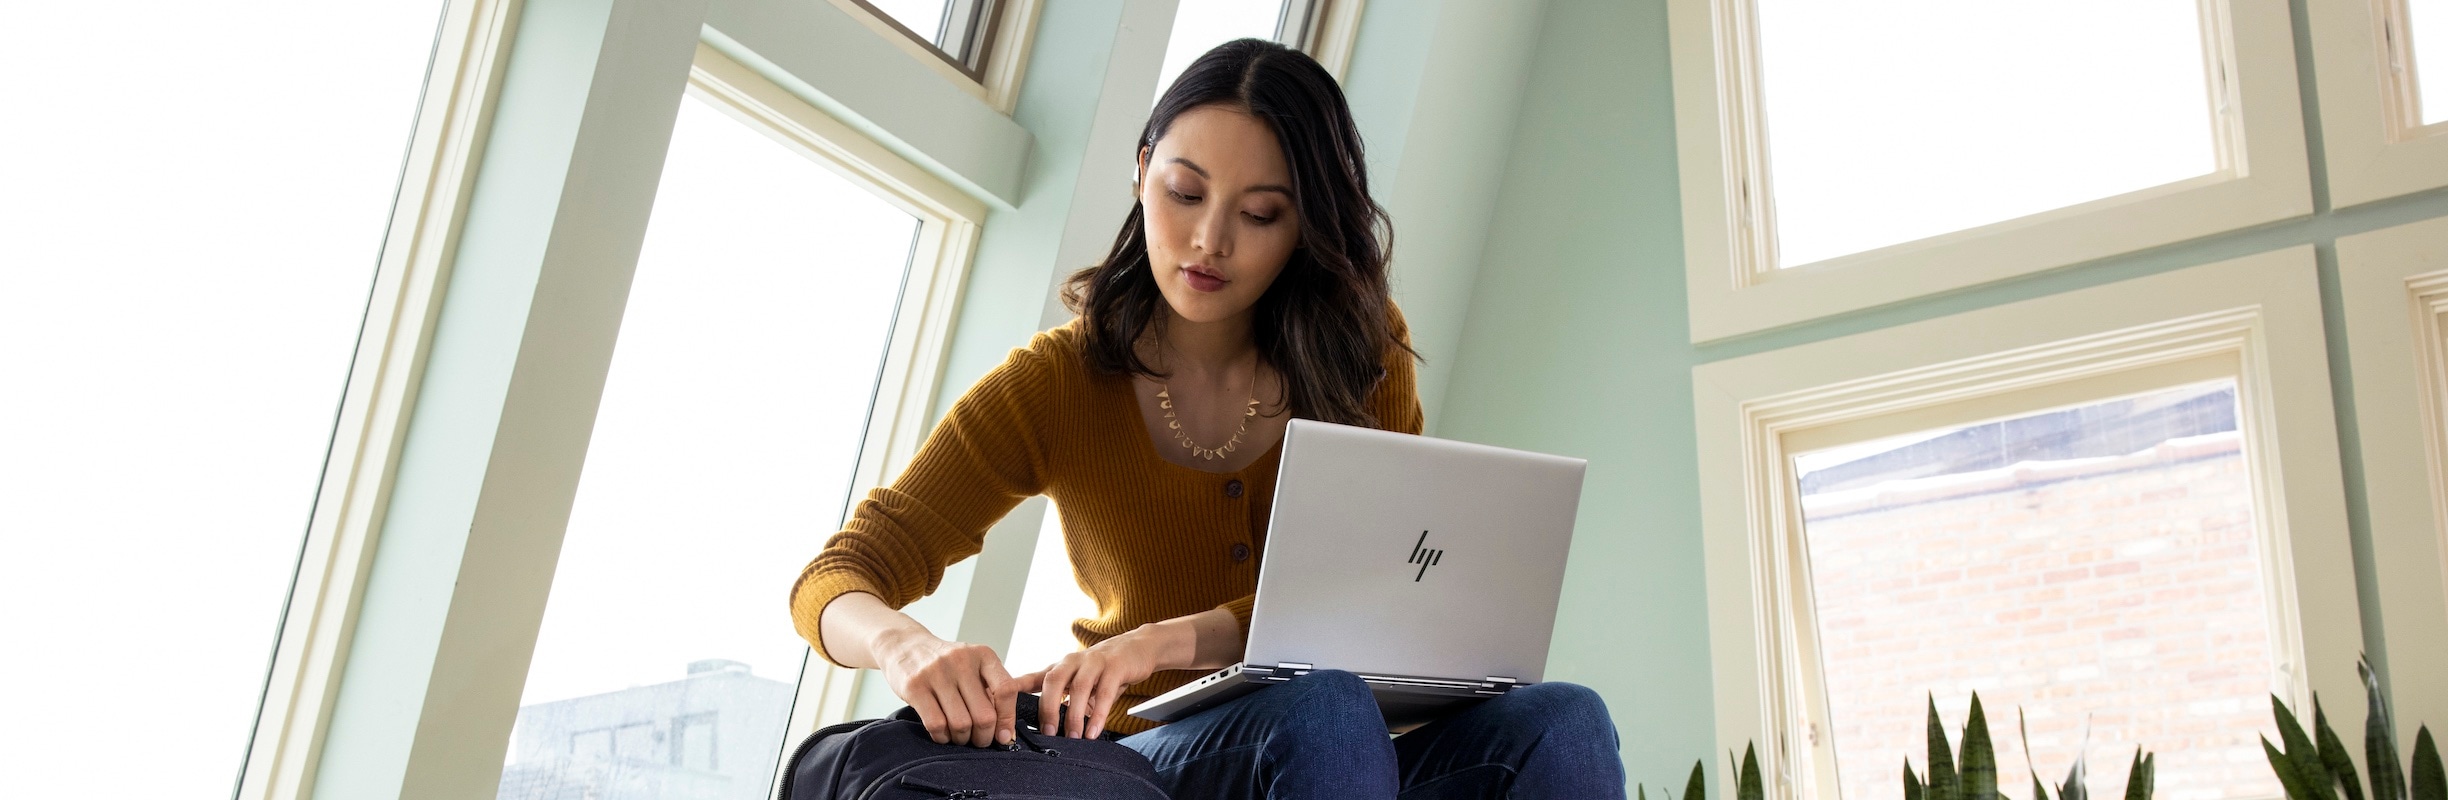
1202 172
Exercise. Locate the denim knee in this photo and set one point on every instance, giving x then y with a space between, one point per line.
1333 706
1558 711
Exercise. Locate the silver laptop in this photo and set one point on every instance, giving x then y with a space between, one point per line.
1430 568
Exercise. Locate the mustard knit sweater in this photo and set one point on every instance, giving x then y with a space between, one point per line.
1150 540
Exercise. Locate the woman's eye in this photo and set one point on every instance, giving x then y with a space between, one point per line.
1262 219
1186 198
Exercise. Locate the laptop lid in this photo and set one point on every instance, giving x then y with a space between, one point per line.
1394 554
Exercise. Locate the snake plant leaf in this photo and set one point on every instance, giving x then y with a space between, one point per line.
1752 788
1641 792
2138 782
2288 777
1912 782
1979 757
2299 748
2380 740
2333 753
1695 789
2074 787
2430 779
2023 734
1944 784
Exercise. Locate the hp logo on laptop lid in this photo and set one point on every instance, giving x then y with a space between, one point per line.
1424 557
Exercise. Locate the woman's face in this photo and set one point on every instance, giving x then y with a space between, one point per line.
1218 203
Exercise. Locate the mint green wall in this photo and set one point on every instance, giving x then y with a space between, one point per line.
1576 343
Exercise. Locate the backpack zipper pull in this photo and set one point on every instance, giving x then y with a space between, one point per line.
908 782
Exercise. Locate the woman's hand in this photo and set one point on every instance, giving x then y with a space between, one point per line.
1093 679
960 691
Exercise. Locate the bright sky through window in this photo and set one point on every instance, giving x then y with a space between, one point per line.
190 216
923 17
731 417
1899 120
1200 25
2430 36
1052 600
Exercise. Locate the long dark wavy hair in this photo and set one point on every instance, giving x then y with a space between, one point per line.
1325 323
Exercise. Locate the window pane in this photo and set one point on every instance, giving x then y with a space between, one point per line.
952 26
191 207
721 459
1042 633
2430 24
1898 120
1200 25
2095 567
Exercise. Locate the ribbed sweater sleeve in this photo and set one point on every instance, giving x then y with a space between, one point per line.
1395 403
986 456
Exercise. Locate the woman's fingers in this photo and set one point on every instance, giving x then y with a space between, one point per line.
1004 697
929 714
955 712
1082 687
1049 698
1108 692
978 705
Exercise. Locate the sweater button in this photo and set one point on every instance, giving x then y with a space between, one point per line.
1232 489
1240 552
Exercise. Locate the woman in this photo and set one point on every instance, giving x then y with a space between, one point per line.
1247 286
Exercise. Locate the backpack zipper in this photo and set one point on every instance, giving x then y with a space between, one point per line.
908 782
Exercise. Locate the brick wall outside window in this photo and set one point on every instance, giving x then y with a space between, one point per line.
2125 590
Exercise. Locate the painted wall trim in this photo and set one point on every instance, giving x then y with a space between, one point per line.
503 415
841 66
2264 310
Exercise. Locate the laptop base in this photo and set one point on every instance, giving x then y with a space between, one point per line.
1405 701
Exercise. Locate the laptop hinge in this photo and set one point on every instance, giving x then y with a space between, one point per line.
1289 670
1497 685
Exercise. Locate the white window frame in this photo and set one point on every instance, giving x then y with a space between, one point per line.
444 156
1729 237
2371 128
320 616
2394 285
949 222
997 81
1325 29
2256 320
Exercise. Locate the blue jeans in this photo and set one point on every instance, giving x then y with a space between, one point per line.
1320 736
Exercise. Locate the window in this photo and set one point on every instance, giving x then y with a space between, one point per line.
980 46
1200 25
2383 72
2118 509
2094 568
725 446
178 310
2394 284
1866 151
1321 28
1041 633
1828 166
2429 26
957 30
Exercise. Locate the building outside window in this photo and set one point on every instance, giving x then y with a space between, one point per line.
722 455
704 737
2092 570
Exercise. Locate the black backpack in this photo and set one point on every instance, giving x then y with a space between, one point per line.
892 759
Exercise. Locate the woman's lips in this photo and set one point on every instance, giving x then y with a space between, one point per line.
1203 280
